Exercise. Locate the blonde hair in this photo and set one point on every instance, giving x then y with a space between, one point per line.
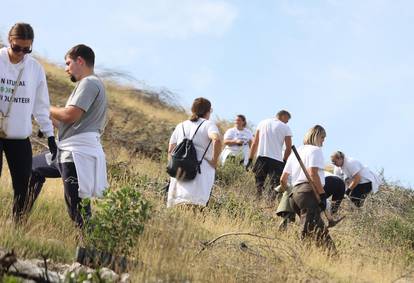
315 135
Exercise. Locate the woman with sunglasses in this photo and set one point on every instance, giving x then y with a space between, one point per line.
23 94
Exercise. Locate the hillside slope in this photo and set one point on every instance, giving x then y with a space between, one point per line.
375 244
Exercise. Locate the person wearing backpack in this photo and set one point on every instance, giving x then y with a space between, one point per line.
193 155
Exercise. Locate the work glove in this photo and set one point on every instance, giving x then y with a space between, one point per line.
52 146
40 134
348 191
249 164
322 203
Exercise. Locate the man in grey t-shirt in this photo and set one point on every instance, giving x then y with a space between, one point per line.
84 112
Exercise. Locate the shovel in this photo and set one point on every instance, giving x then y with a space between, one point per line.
331 221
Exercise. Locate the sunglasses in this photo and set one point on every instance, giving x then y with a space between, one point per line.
18 49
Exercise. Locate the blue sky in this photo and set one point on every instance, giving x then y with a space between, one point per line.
347 65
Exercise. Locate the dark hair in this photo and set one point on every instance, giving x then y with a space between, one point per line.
201 106
243 118
83 51
21 31
283 113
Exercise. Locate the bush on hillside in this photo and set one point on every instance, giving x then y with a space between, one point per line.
387 217
117 221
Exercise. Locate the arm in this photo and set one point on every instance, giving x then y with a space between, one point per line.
284 180
41 107
69 114
355 181
254 146
232 142
170 149
288 150
216 141
313 173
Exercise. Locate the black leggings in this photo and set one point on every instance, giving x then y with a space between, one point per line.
359 193
67 171
19 158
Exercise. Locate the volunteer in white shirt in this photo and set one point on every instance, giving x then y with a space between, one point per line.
267 145
23 95
81 161
237 141
196 192
360 180
303 199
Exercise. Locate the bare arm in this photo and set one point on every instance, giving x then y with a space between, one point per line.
313 172
69 114
355 181
288 143
232 142
170 149
216 141
254 146
284 180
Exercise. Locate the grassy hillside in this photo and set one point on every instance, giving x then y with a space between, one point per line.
375 244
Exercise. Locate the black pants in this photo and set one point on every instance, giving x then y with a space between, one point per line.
67 171
19 158
267 167
335 187
359 193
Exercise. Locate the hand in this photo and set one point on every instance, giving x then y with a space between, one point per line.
249 164
213 163
348 191
239 142
40 134
322 203
52 146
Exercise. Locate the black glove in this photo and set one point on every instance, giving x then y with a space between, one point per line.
249 164
322 203
348 191
52 146
40 134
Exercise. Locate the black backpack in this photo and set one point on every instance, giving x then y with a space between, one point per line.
184 164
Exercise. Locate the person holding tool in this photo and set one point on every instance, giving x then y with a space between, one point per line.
334 187
308 197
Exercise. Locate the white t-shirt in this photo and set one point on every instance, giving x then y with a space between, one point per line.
31 98
198 190
201 139
272 134
312 156
350 168
244 135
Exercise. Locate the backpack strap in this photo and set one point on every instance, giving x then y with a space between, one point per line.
202 158
182 125
197 129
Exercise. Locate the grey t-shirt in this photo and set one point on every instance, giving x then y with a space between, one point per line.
89 95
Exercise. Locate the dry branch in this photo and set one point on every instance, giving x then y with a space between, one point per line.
209 243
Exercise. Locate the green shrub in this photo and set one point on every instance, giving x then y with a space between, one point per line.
117 222
232 172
